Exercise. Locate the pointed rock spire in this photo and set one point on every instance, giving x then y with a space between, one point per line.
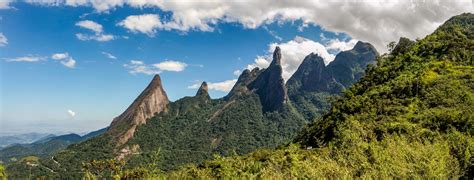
152 100
203 90
270 85
276 56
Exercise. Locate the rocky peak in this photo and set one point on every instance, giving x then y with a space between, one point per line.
347 68
276 57
152 100
270 86
203 90
244 80
363 47
311 75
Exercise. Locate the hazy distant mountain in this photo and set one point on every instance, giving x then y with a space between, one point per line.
22 138
43 147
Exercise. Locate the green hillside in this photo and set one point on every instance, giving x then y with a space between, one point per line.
411 116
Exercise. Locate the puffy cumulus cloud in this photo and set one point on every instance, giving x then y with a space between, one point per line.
292 54
108 55
98 30
139 67
376 21
171 66
3 40
146 23
71 113
224 86
28 58
338 45
65 59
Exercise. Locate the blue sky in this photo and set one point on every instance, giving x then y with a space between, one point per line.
58 75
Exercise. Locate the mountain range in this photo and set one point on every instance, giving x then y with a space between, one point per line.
21 138
259 112
43 147
404 114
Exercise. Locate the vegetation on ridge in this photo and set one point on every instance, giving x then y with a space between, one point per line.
411 116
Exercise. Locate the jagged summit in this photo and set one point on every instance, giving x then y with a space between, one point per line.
347 67
315 81
244 80
203 90
363 46
312 75
276 56
152 100
270 85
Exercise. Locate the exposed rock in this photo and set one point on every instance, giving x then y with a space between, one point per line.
312 75
152 100
126 151
270 86
203 91
348 67
244 80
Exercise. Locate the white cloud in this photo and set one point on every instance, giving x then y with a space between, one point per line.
171 66
97 37
137 66
5 4
338 45
146 23
28 58
378 22
224 86
71 113
96 28
60 56
3 40
237 72
293 53
70 63
91 25
65 59
108 55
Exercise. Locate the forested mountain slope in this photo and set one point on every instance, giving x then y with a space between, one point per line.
410 116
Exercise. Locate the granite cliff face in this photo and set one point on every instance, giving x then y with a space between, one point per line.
152 100
270 85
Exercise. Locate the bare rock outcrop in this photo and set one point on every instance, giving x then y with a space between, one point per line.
152 100
270 86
